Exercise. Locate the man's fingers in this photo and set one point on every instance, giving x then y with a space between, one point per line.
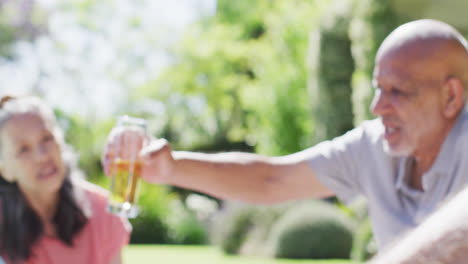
152 149
106 160
122 143
107 156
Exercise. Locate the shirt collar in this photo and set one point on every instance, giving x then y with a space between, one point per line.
446 158
443 164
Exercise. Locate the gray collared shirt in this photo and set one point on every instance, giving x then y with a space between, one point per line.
356 164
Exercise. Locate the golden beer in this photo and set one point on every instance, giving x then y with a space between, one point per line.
126 175
129 137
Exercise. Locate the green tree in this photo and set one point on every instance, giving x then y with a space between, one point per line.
87 139
19 20
240 76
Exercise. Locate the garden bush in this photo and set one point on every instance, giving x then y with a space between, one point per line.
313 230
232 226
244 229
184 227
263 220
164 219
150 226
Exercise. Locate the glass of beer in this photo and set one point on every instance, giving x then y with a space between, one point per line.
125 168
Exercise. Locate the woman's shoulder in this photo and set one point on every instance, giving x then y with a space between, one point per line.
96 195
93 188
109 231
96 199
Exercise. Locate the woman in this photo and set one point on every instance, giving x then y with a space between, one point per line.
47 213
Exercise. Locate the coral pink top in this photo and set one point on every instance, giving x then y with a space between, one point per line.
98 242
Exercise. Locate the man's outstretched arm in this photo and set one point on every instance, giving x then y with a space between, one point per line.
235 175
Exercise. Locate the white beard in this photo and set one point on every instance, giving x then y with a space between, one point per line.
401 151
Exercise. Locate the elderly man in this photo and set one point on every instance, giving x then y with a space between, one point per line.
405 162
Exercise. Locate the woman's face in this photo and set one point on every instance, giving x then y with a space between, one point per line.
31 155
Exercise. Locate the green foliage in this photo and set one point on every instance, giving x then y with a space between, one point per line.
364 245
6 38
358 209
314 230
289 230
229 12
331 69
372 21
263 220
150 226
184 226
240 77
244 229
87 138
231 229
19 20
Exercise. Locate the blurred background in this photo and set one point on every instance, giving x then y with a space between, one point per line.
266 76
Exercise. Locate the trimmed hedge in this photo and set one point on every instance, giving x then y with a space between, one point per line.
244 229
314 230
164 219
184 228
331 67
150 227
231 228
372 21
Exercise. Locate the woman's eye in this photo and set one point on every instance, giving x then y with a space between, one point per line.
47 138
23 150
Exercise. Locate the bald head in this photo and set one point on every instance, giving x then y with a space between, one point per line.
423 31
429 49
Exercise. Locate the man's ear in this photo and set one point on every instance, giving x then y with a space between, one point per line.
453 97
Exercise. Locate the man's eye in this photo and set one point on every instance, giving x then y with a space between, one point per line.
396 92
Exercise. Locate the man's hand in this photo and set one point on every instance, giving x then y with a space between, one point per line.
154 155
158 162
122 143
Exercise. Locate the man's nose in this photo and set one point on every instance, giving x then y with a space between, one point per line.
380 103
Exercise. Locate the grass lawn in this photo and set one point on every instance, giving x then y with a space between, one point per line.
145 254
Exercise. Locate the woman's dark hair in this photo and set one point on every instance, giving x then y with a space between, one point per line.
20 226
